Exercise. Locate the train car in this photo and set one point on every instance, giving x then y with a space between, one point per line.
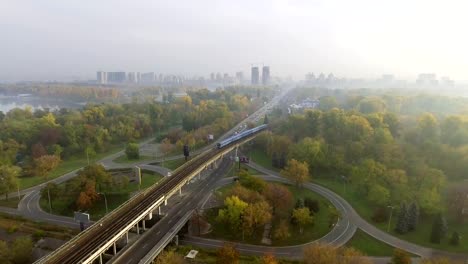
243 134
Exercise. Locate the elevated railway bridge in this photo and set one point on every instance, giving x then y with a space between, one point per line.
90 245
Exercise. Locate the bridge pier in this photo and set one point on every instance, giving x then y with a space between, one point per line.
100 259
144 226
159 210
114 248
126 238
165 202
180 191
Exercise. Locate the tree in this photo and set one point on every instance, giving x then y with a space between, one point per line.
312 204
255 215
320 254
8 151
265 120
87 196
38 150
227 254
21 250
4 252
352 256
45 164
400 257
439 229
251 182
378 195
166 147
296 171
455 239
413 216
279 197
302 217
269 258
282 230
8 179
170 257
439 261
245 194
231 215
402 221
132 151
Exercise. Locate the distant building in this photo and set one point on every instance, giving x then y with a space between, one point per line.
219 77
101 77
255 76
310 77
212 76
134 77
148 77
427 79
265 75
116 77
240 76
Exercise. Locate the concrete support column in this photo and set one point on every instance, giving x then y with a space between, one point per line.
165 202
159 210
144 225
114 248
126 238
180 191
138 229
199 175
100 259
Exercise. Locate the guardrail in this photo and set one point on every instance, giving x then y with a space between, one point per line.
154 252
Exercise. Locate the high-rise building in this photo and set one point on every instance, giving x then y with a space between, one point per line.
212 76
116 77
265 75
134 77
219 77
101 77
255 76
148 77
240 76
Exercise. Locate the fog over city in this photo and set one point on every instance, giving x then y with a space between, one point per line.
67 40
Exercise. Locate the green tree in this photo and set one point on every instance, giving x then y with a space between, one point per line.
45 164
231 215
132 151
8 179
400 257
302 217
282 230
327 103
21 250
170 257
439 229
256 215
378 195
455 239
402 221
4 252
413 216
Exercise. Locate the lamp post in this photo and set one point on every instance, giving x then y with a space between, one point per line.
390 218
344 183
105 201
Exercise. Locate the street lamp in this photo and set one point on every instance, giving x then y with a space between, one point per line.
344 183
390 218
105 201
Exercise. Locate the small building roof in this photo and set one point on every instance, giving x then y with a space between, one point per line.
192 254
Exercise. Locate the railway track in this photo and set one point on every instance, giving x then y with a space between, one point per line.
101 232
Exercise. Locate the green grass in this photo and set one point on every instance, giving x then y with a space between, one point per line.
369 245
172 164
234 169
311 232
12 202
64 167
124 160
208 256
422 233
261 158
114 199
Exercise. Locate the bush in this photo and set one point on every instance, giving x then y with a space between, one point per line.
38 234
312 204
380 215
12 229
132 151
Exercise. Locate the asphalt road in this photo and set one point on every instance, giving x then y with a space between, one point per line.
192 201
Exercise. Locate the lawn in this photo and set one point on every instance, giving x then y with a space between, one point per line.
234 169
12 202
209 256
260 157
64 167
172 164
369 245
365 210
124 160
114 199
311 232
420 236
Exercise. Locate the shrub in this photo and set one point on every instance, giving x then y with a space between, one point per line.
312 204
380 215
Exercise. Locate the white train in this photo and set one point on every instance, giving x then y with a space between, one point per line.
236 137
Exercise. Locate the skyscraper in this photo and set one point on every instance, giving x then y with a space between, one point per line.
116 77
265 75
101 77
148 77
255 76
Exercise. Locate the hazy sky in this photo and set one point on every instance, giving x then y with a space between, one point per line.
66 39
